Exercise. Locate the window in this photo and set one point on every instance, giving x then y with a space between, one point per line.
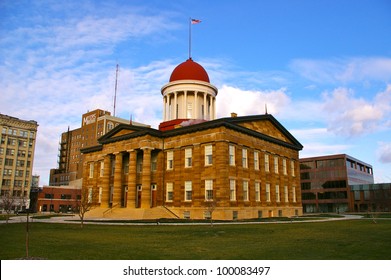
267 165
293 168
110 126
188 157
286 194
89 195
208 155
294 194
102 166
232 189
100 195
188 191
284 166
169 192
244 158
268 192
256 160
257 191
125 163
231 155
276 164
189 110
208 189
277 193
170 160
91 170
154 162
245 191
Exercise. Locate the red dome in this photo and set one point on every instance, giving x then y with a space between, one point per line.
189 70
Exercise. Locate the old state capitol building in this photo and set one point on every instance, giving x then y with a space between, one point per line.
194 165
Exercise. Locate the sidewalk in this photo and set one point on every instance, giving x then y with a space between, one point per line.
74 219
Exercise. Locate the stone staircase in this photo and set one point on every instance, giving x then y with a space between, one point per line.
117 213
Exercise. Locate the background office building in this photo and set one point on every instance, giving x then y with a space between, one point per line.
17 146
325 182
94 124
371 197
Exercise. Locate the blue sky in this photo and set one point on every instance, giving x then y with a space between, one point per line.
322 67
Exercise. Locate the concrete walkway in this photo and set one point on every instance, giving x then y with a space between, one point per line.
74 219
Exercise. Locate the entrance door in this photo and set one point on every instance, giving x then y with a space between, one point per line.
153 195
124 196
138 195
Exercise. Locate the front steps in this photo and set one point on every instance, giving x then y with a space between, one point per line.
117 213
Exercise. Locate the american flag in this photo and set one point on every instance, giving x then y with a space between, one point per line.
195 21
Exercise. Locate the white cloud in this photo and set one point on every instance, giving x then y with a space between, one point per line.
347 70
318 142
247 102
352 116
384 152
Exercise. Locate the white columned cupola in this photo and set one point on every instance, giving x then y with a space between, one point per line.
188 96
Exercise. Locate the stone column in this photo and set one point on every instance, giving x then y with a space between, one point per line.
184 111
106 181
205 108
117 179
146 179
164 108
132 179
195 105
212 105
175 105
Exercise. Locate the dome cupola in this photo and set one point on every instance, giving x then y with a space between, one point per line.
189 97
189 70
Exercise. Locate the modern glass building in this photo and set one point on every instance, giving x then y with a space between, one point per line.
371 197
325 182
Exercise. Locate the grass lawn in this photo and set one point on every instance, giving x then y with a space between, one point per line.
346 240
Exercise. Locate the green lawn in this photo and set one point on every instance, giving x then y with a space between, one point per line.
354 239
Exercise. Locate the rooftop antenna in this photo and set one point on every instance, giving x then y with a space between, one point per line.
115 90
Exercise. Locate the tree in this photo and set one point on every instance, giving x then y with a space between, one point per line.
8 203
88 200
210 206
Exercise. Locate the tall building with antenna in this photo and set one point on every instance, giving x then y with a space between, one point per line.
94 125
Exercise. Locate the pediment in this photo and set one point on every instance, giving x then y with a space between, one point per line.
119 131
267 125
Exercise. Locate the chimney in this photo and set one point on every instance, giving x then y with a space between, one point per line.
234 115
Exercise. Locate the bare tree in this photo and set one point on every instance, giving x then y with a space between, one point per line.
8 203
88 201
210 206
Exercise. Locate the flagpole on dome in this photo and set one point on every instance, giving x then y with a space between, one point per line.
191 21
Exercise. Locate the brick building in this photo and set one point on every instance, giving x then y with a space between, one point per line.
196 165
94 124
63 199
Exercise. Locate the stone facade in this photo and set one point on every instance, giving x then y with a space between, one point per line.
17 149
231 168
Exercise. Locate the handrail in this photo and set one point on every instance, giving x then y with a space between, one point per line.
169 210
110 209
